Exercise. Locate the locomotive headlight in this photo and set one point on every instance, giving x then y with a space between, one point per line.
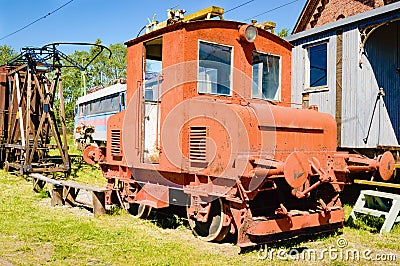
248 33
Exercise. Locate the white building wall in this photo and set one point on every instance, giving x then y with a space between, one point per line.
359 92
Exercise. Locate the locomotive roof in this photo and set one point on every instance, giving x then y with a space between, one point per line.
116 88
198 24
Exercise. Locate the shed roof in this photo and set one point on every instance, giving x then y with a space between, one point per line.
359 18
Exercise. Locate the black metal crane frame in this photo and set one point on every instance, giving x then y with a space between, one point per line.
32 139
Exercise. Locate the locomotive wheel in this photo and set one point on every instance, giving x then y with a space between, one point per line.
139 210
212 230
387 164
88 154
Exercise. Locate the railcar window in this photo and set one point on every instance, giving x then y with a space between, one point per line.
317 56
214 74
266 77
102 105
110 104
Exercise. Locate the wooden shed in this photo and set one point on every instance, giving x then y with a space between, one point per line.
350 67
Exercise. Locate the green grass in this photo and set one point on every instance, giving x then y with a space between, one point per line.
33 233
80 171
87 174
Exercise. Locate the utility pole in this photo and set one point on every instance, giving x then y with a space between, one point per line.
83 74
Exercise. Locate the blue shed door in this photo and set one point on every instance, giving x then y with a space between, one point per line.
382 50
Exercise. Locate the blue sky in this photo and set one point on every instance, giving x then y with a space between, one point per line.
118 20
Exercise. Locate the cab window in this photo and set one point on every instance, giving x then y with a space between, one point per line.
215 67
266 77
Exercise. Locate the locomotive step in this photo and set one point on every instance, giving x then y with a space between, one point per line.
375 203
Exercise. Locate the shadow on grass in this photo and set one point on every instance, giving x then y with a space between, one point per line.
171 218
167 220
299 243
164 218
365 222
42 193
78 164
114 210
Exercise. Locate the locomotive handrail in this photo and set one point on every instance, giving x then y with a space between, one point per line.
50 56
69 59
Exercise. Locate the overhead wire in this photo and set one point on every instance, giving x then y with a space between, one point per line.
62 6
37 20
236 7
273 9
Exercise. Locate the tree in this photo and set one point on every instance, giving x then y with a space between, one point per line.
6 54
283 33
118 60
101 72
73 86
103 69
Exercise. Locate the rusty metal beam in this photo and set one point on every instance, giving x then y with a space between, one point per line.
29 112
374 183
30 116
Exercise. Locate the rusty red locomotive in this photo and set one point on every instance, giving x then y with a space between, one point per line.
208 126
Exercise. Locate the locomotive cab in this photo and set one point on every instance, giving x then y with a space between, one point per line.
208 126
201 63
